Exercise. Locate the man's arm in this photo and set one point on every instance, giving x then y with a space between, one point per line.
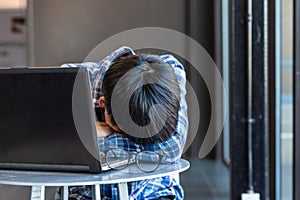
92 67
97 71
174 146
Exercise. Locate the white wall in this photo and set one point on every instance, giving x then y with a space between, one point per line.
66 30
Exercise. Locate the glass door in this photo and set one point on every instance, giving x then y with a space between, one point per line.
286 98
296 125
284 137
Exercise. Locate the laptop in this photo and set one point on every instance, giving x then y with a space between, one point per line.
47 121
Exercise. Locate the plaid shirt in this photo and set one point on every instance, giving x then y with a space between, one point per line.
172 148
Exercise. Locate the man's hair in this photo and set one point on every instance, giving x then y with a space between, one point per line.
149 81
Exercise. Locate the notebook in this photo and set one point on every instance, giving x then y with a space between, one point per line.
47 121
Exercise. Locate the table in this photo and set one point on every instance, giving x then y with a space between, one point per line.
39 180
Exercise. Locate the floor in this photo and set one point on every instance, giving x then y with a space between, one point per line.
206 180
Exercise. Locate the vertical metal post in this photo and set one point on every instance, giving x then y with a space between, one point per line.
225 70
250 120
244 68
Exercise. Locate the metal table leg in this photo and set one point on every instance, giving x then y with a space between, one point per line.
65 193
177 178
123 191
37 192
96 192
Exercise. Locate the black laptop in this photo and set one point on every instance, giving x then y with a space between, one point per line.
47 120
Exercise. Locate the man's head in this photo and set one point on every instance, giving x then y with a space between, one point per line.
150 82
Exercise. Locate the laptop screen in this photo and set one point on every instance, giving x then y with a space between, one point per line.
37 128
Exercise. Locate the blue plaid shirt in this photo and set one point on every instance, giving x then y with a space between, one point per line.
172 148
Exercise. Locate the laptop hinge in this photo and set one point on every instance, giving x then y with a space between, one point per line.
44 167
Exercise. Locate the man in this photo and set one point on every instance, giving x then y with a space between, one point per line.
172 127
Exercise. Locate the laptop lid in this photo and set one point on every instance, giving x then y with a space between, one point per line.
47 121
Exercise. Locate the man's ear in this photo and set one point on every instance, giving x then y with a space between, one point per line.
102 102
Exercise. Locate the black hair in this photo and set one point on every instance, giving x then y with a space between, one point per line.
150 81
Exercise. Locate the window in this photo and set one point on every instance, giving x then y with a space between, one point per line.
286 98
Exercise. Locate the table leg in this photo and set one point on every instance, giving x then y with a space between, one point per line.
96 192
37 192
123 191
177 178
65 193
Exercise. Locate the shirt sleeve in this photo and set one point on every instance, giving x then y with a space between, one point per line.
97 70
92 67
173 147
105 65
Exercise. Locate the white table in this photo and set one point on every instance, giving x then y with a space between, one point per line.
39 180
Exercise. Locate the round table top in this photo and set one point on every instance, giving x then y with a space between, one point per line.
128 174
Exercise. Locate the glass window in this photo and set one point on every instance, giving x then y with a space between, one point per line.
286 99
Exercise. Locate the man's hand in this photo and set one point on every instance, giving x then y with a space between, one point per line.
103 129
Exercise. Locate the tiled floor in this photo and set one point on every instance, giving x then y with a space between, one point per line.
206 180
